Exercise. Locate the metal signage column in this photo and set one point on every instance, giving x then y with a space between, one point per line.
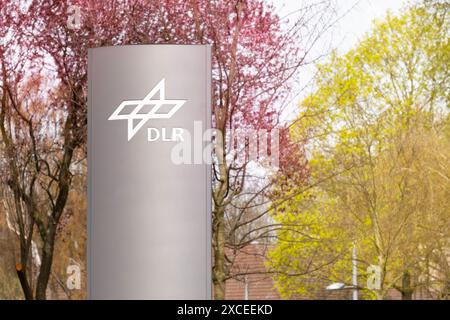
149 219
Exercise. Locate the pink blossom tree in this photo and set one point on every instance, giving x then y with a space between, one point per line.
256 58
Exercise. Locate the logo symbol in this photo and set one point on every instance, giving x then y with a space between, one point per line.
139 115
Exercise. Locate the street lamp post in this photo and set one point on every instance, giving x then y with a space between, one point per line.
354 272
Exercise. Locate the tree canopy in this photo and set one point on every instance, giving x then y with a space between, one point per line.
376 133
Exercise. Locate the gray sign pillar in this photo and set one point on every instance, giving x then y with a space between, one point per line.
149 228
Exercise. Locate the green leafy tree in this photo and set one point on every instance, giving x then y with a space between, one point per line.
375 129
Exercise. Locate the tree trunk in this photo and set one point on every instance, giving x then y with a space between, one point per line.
22 275
220 194
219 255
46 263
64 181
407 291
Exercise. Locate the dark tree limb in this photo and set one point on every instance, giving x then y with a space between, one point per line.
21 274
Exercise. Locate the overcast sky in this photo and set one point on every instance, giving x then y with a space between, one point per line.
357 17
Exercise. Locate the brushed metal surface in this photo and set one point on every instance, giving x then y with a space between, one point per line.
149 228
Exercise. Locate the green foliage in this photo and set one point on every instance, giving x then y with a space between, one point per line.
376 130
308 245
